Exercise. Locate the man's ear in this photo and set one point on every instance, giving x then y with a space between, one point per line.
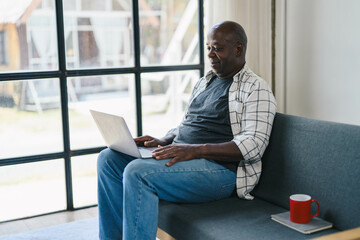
239 49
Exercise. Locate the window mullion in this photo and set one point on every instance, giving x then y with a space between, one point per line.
136 35
64 102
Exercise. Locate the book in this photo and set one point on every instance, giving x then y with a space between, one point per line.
316 224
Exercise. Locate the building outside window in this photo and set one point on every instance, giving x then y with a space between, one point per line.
58 59
3 48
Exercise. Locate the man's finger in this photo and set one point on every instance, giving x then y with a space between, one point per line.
172 161
151 143
163 155
161 148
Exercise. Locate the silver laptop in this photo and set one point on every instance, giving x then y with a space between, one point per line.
117 136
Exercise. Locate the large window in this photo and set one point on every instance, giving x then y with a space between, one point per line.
58 59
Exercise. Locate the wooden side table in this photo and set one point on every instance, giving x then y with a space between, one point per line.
352 234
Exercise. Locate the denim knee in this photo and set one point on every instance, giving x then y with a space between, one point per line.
137 169
104 158
134 169
110 160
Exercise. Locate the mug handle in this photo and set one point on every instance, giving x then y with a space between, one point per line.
318 207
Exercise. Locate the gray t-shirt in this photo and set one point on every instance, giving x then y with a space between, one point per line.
207 120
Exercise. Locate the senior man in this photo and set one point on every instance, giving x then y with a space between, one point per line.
215 150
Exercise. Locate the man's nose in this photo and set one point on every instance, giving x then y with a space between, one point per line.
211 53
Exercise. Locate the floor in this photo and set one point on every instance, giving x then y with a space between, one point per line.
46 221
55 219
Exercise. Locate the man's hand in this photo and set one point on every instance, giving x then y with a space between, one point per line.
149 141
178 152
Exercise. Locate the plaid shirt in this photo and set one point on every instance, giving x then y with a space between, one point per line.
252 109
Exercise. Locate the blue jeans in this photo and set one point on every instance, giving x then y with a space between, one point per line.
129 190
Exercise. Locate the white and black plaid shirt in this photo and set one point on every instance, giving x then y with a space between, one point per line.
252 109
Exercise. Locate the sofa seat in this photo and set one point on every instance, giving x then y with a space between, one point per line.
195 221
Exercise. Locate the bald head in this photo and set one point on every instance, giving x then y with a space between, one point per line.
233 30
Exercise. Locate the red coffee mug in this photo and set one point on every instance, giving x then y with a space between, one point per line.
300 208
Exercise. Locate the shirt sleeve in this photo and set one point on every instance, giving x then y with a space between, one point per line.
257 116
254 117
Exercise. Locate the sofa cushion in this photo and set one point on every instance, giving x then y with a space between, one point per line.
230 219
318 158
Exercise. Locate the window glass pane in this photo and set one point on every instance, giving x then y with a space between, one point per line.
169 32
29 36
84 180
93 5
30 118
32 189
98 34
111 93
164 98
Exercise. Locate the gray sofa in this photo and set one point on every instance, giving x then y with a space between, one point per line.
308 156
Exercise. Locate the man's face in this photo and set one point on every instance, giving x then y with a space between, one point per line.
223 53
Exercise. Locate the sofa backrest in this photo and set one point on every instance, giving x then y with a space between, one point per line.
318 158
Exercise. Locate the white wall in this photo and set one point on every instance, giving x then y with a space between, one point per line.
255 17
319 66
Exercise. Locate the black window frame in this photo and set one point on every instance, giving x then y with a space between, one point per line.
63 74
